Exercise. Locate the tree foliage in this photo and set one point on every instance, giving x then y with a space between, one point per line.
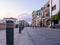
56 17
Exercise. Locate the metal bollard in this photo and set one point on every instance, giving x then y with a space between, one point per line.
20 28
9 33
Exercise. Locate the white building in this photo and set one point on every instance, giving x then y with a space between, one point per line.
38 20
1 21
2 25
55 6
23 22
34 18
12 19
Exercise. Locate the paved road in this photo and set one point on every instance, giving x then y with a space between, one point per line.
42 36
33 36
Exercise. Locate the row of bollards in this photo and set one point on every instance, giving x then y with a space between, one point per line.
10 32
21 27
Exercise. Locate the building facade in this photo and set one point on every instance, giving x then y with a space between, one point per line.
23 23
46 14
34 18
54 9
2 25
38 18
12 19
43 16
55 6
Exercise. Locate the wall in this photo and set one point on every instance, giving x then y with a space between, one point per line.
59 3
59 21
1 21
2 26
55 2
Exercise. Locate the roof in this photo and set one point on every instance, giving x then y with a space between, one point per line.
11 18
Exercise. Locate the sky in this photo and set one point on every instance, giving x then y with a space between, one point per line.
21 9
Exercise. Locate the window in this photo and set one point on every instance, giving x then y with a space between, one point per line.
48 5
54 7
48 14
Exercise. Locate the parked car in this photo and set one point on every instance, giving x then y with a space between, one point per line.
56 26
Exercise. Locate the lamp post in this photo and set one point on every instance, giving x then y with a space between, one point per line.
51 10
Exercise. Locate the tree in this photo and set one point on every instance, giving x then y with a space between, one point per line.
56 17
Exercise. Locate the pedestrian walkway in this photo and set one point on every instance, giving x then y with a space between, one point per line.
2 37
42 36
18 38
33 36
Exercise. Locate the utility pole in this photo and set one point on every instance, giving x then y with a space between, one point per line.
51 11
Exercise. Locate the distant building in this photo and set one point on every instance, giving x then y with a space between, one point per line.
2 25
1 21
34 18
12 19
24 23
39 12
46 14
38 19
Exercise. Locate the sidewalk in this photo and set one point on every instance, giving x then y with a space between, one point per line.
33 36
2 37
19 39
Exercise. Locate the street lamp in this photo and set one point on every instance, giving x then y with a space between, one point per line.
51 10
